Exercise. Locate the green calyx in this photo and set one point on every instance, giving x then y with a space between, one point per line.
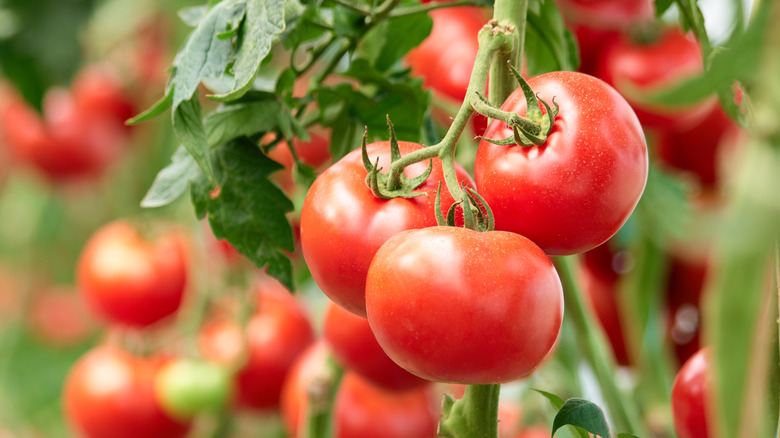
477 214
391 185
531 130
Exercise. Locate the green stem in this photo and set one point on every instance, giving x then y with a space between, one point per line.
352 6
473 416
593 342
322 394
502 83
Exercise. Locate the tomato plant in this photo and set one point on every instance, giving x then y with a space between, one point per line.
354 345
110 393
545 192
360 408
691 397
635 67
129 280
343 224
493 282
265 350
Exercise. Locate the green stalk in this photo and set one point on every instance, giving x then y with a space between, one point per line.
319 420
473 416
592 341
502 83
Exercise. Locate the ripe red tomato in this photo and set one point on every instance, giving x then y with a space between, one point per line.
575 191
129 280
684 285
343 224
98 91
535 432
445 59
80 143
274 337
690 396
360 409
596 23
110 394
355 346
501 290
315 153
697 151
648 67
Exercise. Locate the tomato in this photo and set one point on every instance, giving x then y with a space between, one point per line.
21 127
80 143
188 387
455 305
444 60
354 345
58 316
129 280
314 153
596 23
274 337
364 410
634 67
696 151
110 394
98 91
360 408
690 396
575 191
343 224
684 285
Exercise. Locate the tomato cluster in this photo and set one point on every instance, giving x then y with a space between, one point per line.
81 132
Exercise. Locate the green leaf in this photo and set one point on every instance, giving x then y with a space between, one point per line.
399 96
264 21
241 120
556 401
248 210
626 435
173 180
549 46
398 36
155 110
193 16
584 414
204 54
308 26
188 127
661 6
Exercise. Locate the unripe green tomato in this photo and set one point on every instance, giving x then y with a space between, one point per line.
188 387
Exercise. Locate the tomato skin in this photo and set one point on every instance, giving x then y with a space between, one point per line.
421 281
360 409
275 336
343 224
98 91
129 280
673 57
187 387
59 317
575 191
364 410
110 394
690 396
355 346
445 59
697 151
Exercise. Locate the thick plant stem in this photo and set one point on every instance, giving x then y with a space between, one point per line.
322 394
592 340
473 416
511 14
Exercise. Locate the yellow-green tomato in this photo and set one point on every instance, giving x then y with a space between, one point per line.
188 387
